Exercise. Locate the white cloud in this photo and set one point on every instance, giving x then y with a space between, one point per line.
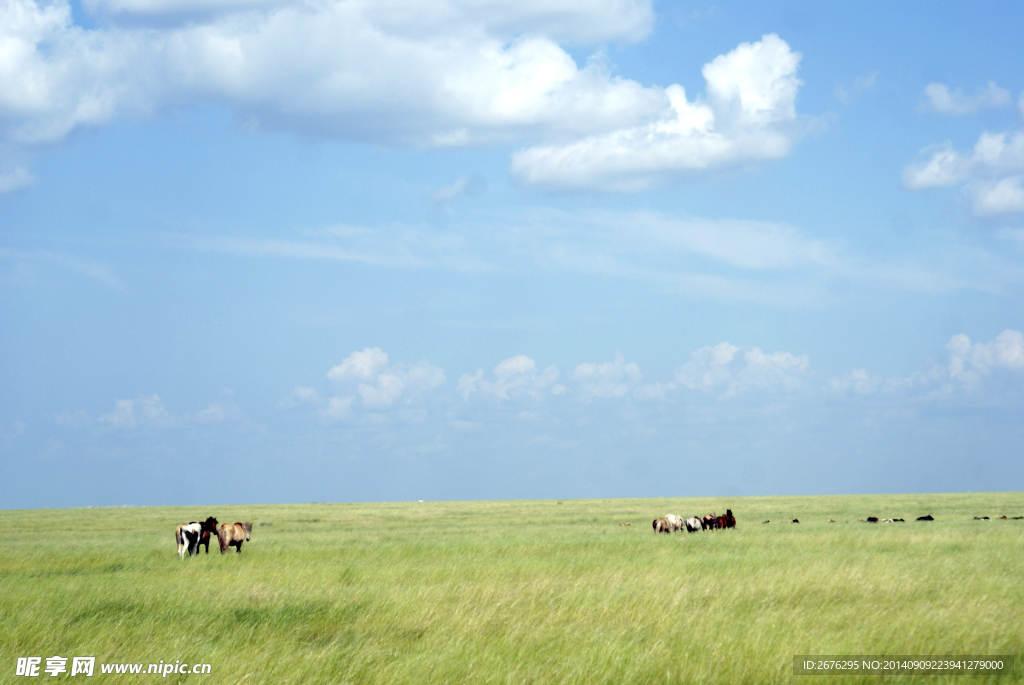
607 380
748 115
300 395
217 412
939 98
83 266
845 94
989 174
719 370
149 412
514 377
384 384
141 411
968 361
858 382
464 185
654 391
992 198
359 365
338 407
15 178
404 71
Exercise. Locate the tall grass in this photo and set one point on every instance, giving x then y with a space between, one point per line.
519 592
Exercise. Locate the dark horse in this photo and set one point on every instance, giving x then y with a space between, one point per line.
189 535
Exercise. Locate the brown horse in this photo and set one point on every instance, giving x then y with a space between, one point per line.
661 525
233 535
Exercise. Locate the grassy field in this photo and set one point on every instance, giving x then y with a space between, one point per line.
519 592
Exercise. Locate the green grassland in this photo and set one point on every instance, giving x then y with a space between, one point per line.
519 592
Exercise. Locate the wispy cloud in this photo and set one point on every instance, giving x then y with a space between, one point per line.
939 98
83 266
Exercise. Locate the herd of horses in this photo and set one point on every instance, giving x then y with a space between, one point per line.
190 535
671 522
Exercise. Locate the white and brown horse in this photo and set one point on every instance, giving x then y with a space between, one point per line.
662 525
188 535
233 535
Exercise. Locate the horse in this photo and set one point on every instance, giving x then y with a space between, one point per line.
233 535
675 521
693 524
709 521
730 520
189 535
661 525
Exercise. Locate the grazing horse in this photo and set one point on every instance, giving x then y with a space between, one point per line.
927 517
233 535
661 525
693 524
675 521
189 535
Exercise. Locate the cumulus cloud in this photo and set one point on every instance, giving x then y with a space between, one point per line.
939 98
404 71
720 370
989 175
607 380
968 361
747 115
141 411
149 412
380 384
444 73
360 365
513 378
968 364
857 382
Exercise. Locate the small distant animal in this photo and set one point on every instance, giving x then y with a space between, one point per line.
1016 518
661 525
693 524
189 535
795 521
1002 517
981 518
898 521
872 519
831 520
768 521
233 535
628 525
927 517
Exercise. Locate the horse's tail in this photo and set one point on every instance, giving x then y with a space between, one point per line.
177 535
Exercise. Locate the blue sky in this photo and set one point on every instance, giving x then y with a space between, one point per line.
264 251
